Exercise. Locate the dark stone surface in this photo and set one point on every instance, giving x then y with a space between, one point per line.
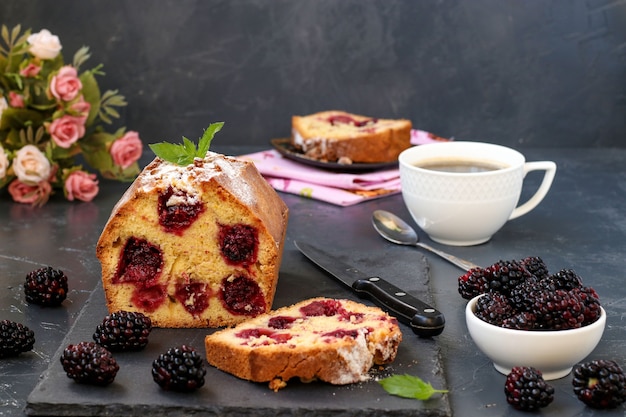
133 392
538 73
579 225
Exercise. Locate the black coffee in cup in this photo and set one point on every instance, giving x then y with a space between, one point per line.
460 165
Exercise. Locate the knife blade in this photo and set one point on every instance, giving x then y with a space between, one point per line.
424 320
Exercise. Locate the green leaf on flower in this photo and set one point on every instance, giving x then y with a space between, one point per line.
91 94
408 386
184 154
80 57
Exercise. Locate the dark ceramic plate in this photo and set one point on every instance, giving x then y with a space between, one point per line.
284 147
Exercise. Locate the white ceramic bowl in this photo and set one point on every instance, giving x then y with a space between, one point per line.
554 353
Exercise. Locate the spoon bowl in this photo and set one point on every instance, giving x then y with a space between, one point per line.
397 231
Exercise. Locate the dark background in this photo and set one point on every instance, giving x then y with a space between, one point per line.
519 73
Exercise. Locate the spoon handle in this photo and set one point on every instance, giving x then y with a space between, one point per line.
461 263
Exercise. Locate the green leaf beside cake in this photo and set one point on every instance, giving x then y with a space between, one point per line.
184 153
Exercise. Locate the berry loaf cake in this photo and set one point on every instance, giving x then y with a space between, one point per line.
336 341
198 245
337 136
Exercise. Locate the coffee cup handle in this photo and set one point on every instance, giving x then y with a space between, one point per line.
548 177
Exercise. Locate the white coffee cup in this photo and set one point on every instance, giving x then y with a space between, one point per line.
467 208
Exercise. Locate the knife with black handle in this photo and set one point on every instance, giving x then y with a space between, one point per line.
424 320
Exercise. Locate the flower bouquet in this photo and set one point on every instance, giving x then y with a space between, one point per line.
50 113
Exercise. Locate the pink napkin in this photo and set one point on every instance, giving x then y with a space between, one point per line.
343 189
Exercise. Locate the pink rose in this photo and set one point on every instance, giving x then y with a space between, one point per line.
66 85
126 150
16 100
66 130
80 108
82 186
36 194
31 70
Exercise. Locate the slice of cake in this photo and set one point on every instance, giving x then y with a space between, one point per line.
198 245
338 136
336 341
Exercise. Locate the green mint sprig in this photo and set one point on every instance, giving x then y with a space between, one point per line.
408 386
184 153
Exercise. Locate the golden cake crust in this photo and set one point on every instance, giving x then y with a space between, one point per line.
338 348
194 272
339 136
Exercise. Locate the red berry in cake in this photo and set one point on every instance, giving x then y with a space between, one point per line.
341 333
46 287
140 262
241 295
149 298
239 244
123 331
281 322
178 210
193 296
345 119
600 384
89 363
179 369
526 390
327 308
261 336
15 338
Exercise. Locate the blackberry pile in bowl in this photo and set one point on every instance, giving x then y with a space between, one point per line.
521 315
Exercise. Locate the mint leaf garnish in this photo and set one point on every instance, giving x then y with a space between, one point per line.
408 386
184 154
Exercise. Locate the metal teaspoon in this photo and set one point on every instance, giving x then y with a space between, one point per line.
396 230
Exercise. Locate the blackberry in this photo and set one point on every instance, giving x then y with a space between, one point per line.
179 369
46 286
566 279
493 308
535 266
526 390
558 310
520 321
600 383
89 363
123 330
15 338
474 282
500 277
591 301
506 275
523 296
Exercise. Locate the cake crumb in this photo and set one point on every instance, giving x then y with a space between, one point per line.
277 384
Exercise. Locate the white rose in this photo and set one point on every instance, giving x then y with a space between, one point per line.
30 165
44 44
4 163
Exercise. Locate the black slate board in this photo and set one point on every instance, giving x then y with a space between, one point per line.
133 393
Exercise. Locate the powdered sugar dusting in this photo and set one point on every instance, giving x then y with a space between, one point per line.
233 169
161 174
